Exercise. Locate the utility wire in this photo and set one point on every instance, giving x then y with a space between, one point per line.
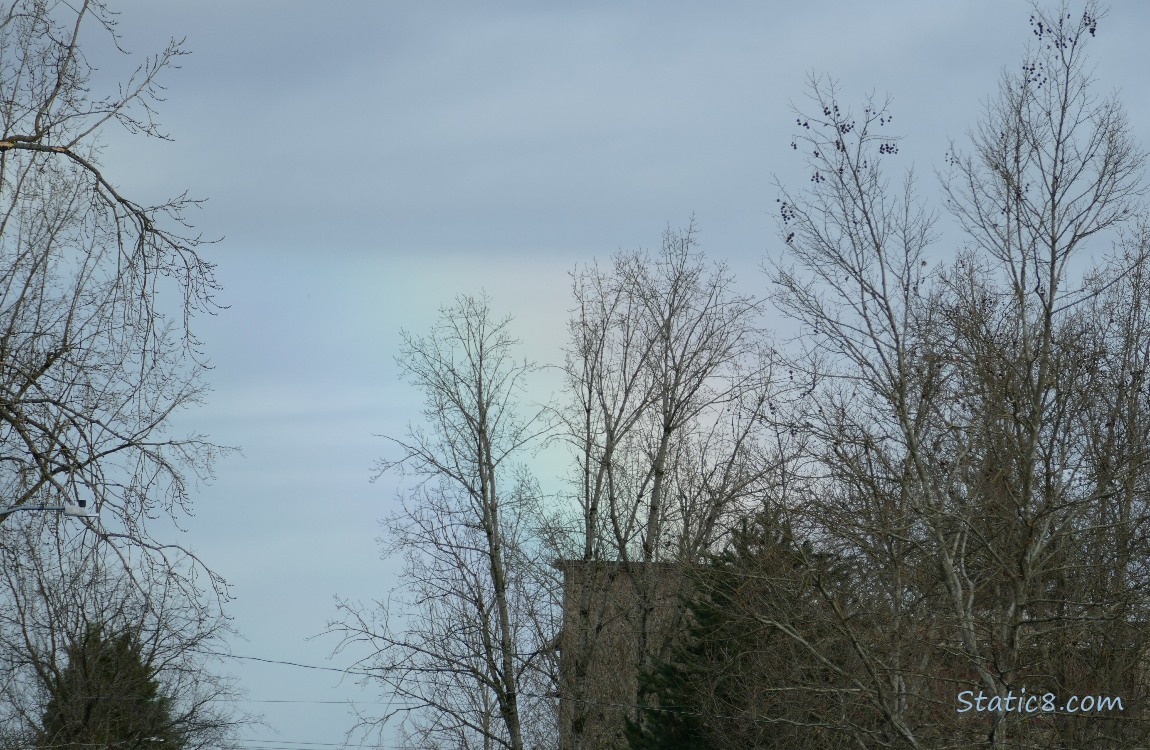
289 663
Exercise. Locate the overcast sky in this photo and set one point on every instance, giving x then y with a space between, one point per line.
364 162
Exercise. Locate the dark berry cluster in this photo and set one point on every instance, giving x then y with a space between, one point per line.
786 210
1090 22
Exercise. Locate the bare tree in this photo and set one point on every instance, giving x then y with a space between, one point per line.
860 305
978 431
97 292
463 644
97 298
667 378
1055 172
662 354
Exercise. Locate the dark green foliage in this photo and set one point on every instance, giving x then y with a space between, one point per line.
107 695
729 681
672 720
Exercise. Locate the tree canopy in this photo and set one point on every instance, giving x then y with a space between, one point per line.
107 694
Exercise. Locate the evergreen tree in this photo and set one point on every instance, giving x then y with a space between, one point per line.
107 695
729 680
671 718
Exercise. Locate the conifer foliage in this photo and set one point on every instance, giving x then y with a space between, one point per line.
728 682
108 695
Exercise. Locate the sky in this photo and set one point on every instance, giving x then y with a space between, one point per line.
365 162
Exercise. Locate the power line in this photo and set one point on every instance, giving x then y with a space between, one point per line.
345 702
525 694
293 742
290 663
